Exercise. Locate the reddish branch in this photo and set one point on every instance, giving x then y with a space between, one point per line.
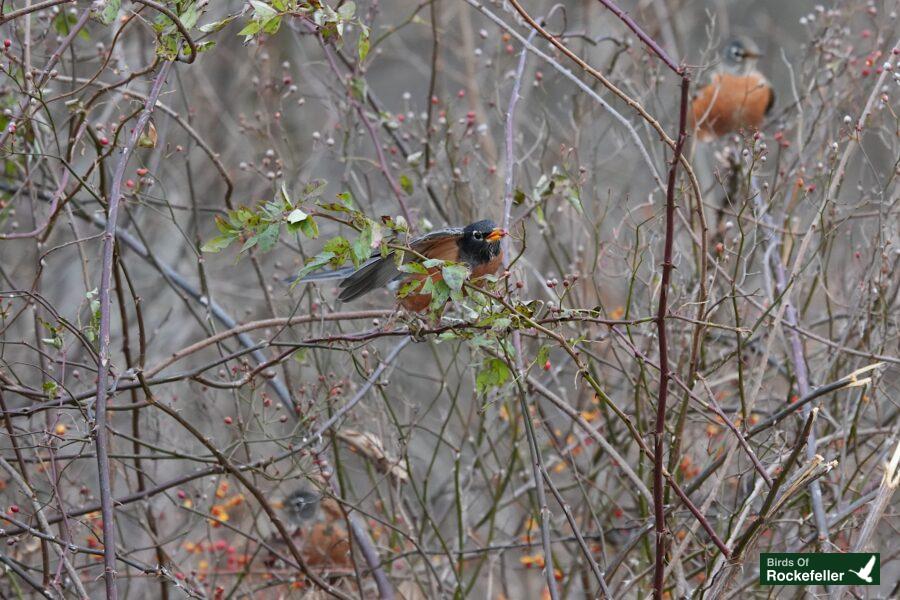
649 41
664 374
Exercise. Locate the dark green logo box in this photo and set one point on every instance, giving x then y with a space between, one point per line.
819 568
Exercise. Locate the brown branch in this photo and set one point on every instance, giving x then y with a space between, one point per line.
101 433
659 458
21 12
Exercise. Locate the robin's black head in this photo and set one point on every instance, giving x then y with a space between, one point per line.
741 54
480 242
302 504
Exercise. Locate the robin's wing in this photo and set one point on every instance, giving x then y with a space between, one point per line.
378 271
443 238
771 101
442 244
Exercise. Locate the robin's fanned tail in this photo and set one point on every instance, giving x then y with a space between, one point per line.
476 245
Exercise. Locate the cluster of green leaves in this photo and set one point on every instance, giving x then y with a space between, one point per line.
261 226
169 38
558 183
92 329
339 250
266 18
424 280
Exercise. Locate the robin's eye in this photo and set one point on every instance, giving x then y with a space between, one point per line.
477 235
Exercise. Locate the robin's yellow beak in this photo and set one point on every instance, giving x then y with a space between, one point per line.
496 235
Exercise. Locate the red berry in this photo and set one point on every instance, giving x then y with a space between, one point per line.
182 494
14 508
547 366
129 183
104 141
229 420
142 171
7 43
461 94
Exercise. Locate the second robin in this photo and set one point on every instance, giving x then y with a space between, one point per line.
737 97
322 540
476 245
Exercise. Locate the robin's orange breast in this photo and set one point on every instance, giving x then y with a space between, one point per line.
731 102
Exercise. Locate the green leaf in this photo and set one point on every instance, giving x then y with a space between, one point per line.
110 11
362 46
50 388
296 216
413 267
217 25
217 244
414 159
410 287
359 88
268 237
272 25
309 228
406 184
455 276
314 188
251 241
339 247
347 10
263 11
190 16
250 29
56 342
362 246
543 355
493 374
316 262
440 293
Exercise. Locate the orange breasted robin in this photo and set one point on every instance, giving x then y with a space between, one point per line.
738 96
322 541
476 245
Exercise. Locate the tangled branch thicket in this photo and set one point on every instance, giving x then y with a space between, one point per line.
690 356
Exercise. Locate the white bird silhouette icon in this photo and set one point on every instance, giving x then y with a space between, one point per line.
866 571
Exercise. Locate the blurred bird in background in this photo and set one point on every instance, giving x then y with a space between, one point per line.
317 531
738 95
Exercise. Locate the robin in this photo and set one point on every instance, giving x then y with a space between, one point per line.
323 543
477 246
738 97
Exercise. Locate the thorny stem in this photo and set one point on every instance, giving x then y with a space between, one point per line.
100 427
659 457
